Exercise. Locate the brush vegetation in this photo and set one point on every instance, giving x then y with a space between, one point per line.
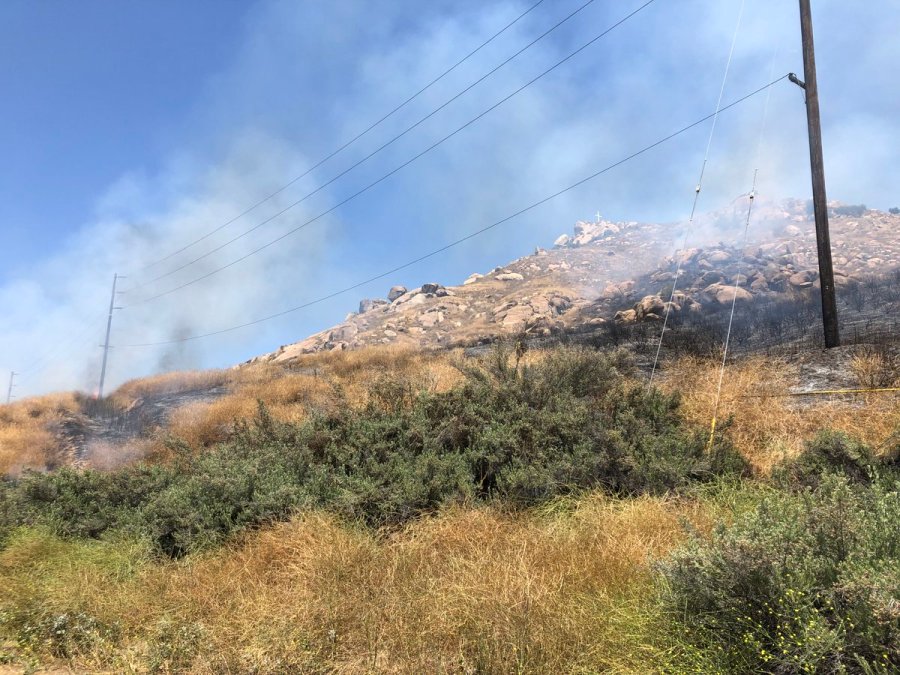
521 435
538 513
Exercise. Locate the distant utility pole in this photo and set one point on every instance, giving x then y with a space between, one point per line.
12 376
112 308
820 202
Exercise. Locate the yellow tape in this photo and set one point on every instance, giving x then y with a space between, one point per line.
843 391
712 435
824 392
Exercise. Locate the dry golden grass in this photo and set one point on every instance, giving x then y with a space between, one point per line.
168 383
876 367
317 382
356 371
287 396
768 427
472 590
314 382
26 437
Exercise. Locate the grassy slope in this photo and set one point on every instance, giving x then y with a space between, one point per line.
564 587
567 587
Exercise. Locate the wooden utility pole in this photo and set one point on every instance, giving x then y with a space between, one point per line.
820 201
106 347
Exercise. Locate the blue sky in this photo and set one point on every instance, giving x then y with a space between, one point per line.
130 129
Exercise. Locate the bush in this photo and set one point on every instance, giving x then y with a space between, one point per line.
521 435
808 582
894 210
851 210
829 453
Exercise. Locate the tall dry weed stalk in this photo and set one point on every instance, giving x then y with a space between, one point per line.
876 366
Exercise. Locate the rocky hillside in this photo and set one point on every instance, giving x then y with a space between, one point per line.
623 272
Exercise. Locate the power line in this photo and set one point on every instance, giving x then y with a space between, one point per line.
469 236
372 126
387 175
734 292
106 345
41 362
712 133
370 155
737 277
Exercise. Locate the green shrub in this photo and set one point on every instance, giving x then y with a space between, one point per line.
852 210
807 582
88 503
833 452
522 435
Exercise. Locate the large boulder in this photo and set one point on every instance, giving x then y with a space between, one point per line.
367 305
510 276
718 256
431 288
343 333
759 285
626 316
431 318
517 318
618 290
396 292
725 294
803 279
650 305
560 303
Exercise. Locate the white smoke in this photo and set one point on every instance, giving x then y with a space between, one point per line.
310 75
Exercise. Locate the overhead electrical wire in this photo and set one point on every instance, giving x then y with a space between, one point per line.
720 109
390 173
734 296
51 356
712 133
347 144
737 277
367 157
374 152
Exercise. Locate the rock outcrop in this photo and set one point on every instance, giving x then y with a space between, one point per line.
622 272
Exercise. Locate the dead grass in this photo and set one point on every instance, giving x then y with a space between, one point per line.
314 382
473 590
26 437
168 383
876 366
768 427
356 371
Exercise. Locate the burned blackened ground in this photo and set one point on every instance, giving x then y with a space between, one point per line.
102 430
